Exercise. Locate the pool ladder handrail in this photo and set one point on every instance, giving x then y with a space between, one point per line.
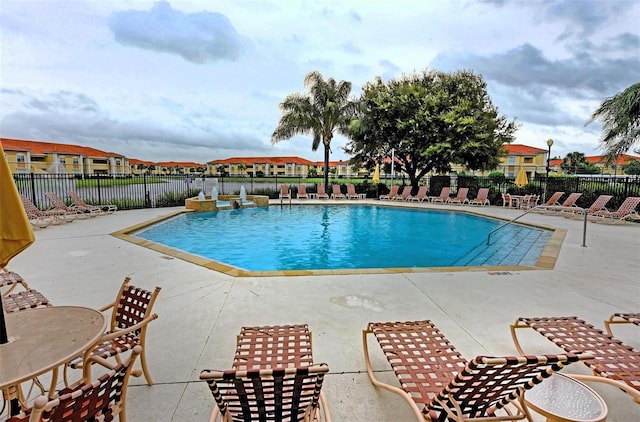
509 222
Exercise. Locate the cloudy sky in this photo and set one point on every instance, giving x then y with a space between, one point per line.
202 80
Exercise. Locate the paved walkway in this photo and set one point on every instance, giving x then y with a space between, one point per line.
201 310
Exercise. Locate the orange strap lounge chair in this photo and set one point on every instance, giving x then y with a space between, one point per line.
440 385
351 192
554 200
627 210
392 192
621 318
322 192
273 378
567 205
285 192
302 192
404 195
613 362
482 198
421 195
41 219
26 298
444 195
461 197
337 193
79 202
71 210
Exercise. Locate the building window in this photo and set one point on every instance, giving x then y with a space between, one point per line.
63 160
512 159
76 160
117 162
20 158
528 160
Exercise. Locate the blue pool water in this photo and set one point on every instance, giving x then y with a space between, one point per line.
346 237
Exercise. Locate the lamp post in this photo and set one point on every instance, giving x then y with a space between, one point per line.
546 181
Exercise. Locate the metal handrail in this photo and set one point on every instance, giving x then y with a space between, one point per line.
509 222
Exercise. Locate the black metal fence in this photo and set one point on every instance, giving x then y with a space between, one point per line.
145 191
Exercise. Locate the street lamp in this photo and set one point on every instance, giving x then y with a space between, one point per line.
546 182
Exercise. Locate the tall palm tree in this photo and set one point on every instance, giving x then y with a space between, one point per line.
324 110
620 116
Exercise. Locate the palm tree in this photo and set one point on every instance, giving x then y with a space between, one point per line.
620 116
326 109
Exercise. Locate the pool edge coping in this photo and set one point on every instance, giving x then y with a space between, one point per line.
546 261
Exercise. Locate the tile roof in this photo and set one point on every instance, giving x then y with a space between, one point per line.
262 160
620 160
518 149
42 148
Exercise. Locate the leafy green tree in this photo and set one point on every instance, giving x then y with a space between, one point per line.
620 117
323 111
430 121
632 167
242 167
576 162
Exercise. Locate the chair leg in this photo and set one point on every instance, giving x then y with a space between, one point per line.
145 370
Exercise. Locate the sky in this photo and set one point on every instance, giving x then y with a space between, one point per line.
202 80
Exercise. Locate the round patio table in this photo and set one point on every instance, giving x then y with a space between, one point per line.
563 399
42 339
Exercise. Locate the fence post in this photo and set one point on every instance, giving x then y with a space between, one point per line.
99 196
33 188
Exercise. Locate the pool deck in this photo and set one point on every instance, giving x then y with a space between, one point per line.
201 310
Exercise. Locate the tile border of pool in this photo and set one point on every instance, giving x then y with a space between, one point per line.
546 261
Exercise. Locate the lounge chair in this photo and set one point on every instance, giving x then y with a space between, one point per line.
441 385
322 193
392 192
337 193
404 195
71 211
622 318
302 192
91 400
444 195
25 298
421 195
130 316
598 205
460 198
567 204
626 211
273 374
41 219
613 361
285 192
98 209
482 198
351 192
554 200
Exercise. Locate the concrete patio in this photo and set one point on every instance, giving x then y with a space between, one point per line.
201 311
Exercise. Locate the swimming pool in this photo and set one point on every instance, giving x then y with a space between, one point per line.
328 237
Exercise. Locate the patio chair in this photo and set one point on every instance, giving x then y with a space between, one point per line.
554 200
72 210
613 362
529 201
482 198
130 316
440 385
351 192
285 192
336 193
302 192
99 400
27 298
444 195
42 219
567 204
420 196
96 209
404 195
626 211
598 205
277 357
322 192
392 192
621 318
460 198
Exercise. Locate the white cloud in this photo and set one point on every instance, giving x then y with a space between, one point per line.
201 80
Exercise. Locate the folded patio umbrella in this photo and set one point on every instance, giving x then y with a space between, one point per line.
521 178
15 230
